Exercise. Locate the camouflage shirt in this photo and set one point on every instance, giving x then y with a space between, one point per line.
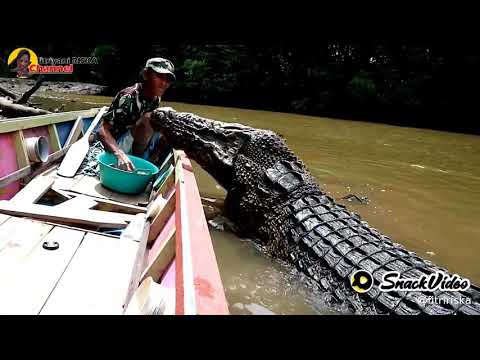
127 107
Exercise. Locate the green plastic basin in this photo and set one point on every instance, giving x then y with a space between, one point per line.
124 181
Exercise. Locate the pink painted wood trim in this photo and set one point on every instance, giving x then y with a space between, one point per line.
8 165
161 238
168 279
209 292
179 296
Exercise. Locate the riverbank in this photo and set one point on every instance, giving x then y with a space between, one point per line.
56 96
19 86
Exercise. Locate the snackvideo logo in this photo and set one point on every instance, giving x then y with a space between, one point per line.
391 281
362 281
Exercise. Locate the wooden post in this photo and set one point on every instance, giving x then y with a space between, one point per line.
21 149
53 138
75 132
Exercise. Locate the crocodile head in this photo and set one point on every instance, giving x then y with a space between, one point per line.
214 145
255 166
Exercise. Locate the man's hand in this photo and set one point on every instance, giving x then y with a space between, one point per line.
124 162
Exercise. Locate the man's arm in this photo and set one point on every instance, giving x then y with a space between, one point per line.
119 109
111 145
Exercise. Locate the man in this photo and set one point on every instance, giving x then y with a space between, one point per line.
125 127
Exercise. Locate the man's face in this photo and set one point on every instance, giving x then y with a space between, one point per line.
159 83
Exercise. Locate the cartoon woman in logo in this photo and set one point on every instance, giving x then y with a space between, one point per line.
21 63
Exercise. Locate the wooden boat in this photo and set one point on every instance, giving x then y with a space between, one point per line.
71 246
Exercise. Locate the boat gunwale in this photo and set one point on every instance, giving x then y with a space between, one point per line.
22 123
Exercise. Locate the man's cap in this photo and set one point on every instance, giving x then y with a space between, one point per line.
161 66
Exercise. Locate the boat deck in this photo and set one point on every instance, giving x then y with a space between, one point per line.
71 246
88 273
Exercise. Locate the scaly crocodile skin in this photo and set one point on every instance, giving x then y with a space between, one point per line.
273 198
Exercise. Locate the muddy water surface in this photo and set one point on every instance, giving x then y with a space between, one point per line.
423 188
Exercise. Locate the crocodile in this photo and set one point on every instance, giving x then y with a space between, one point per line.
274 199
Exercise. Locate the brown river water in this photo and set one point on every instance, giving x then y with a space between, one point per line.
423 188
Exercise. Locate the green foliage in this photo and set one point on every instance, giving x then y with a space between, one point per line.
108 69
362 87
407 83
3 69
4 72
104 52
194 72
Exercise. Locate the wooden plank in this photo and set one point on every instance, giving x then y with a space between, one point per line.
39 167
106 204
110 205
56 155
162 217
29 282
137 231
162 257
157 243
29 170
66 184
168 279
14 176
208 287
91 186
36 188
3 218
64 194
168 183
79 202
17 237
41 120
50 171
53 138
87 217
168 161
96 279
151 298
165 170
75 132
155 207
21 149
185 301
81 229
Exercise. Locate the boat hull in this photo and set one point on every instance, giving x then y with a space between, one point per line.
179 257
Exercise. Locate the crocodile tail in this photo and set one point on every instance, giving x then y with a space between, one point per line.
329 243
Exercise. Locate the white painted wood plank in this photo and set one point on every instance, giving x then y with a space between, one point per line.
51 213
17 237
96 280
26 285
80 202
